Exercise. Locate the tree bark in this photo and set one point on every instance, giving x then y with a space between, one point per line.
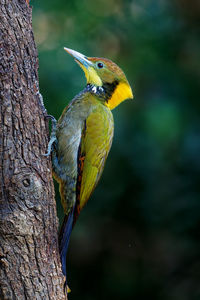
29 260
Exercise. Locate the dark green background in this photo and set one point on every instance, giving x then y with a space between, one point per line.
139 235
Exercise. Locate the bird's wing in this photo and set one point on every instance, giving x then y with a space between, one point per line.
95 144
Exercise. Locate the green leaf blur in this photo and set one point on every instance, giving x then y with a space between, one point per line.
138 236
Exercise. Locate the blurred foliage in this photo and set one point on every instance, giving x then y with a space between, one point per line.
139 235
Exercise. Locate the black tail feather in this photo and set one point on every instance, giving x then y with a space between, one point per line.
64 237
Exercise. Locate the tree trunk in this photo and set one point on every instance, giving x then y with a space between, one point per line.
29 260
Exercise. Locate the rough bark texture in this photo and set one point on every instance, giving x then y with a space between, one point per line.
29 261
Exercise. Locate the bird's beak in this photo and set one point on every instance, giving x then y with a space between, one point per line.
80 58
88 67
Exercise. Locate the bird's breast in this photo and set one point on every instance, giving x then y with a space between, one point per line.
70 127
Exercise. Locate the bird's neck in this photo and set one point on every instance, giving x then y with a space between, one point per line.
96 90
104 92
111 94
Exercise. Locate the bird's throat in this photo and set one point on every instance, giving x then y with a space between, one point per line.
121 92
111 94
91 76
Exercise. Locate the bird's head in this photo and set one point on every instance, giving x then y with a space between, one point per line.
104 76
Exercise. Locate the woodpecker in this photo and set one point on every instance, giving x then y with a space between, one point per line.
81 139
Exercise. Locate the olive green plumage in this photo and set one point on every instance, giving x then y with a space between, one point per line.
82 137
85 130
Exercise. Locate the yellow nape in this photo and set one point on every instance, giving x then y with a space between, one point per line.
92 76
122 92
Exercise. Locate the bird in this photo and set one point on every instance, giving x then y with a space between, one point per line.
81 139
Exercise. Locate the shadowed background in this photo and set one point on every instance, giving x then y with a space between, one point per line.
139 235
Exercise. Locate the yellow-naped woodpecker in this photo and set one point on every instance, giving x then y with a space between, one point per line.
82 137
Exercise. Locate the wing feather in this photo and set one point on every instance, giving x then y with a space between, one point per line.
96 140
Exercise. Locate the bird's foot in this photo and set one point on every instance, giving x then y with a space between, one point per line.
53 134
52 140
53 122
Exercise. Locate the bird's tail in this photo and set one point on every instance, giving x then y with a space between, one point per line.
64 237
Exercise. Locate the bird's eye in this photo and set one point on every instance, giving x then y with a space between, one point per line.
100 65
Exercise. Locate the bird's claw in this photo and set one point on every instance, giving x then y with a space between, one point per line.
53 134
50 117
52 140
